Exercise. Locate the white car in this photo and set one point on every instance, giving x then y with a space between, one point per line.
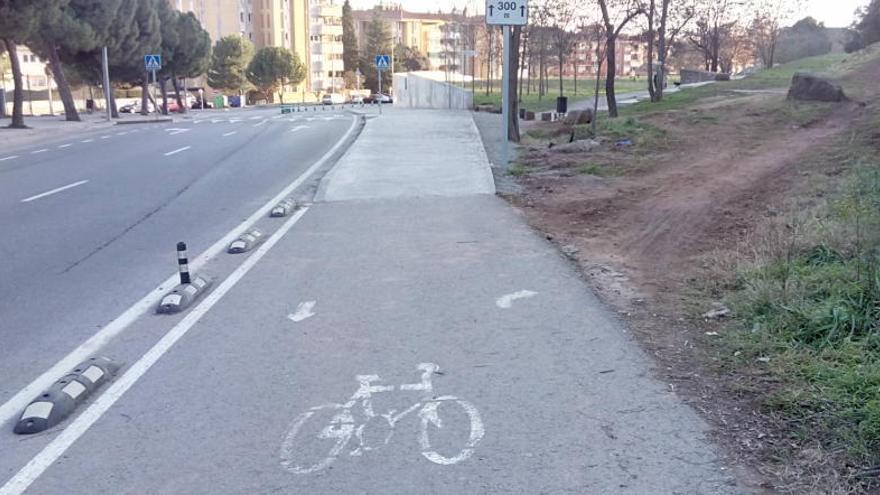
333 99
357 99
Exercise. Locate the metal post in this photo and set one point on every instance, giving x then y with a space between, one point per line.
182 263
505 97
379 72
106 64
153 91
49 89
30 96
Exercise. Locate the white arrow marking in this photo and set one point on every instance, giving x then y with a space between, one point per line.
229 133
506 301
303 311
299 128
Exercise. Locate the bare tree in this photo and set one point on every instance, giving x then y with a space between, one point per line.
767 25
715 22
599 54
561 17
614 21
665 19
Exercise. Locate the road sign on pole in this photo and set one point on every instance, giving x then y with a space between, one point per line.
507 12
153 62
383 62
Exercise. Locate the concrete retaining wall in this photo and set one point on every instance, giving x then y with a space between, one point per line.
412 90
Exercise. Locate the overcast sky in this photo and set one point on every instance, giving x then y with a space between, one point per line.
834 13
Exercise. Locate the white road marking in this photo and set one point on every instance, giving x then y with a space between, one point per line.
229 133
214 121
197 121
13 157
260 123
177 150
87 140
59 445
105 137
303 311
39 151
174 130
232 121
62 146
299 128
277 117
506 301
96 342
53 191
123 133
255 117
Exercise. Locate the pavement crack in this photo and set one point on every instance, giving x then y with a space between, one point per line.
128 229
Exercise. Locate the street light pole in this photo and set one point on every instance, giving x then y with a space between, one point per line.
106 69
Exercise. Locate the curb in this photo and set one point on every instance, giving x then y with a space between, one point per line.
63 396
182 296
145 121
246 242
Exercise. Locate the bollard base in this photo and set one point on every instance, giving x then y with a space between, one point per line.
182 296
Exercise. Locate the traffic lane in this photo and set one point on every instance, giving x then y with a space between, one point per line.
49 307
565 398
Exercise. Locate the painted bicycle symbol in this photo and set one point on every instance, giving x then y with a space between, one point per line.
296 450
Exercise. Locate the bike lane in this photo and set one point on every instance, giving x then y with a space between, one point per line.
566 401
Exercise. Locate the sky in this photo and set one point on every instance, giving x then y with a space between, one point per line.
834 13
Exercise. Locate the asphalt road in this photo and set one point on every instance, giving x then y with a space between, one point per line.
75 258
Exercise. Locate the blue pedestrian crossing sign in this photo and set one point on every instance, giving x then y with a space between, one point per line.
153 62
383 62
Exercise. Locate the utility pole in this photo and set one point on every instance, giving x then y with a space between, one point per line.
105 64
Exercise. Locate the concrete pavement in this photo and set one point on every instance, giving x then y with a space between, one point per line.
532 386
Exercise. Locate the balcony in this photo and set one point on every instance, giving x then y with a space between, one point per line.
326 29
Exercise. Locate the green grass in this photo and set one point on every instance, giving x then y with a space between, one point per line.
518 170
808 305
533 102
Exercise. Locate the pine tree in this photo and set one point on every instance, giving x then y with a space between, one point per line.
349 39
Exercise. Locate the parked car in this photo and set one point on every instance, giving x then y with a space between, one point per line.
357 99
135 107
197 105
332 99
379 98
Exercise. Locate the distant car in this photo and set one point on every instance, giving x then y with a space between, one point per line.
197 104
357 99
130 108
379 98
332 99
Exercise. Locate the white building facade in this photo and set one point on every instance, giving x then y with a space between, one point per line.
326 46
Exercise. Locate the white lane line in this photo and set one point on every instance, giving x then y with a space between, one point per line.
177 150
303 311
277 117
299 128
39 151
232 121
53 191
260 123
66 145
123 133
255 117
87 140
230 133
175 130
105 137
506 301
59 445
12 407
13 157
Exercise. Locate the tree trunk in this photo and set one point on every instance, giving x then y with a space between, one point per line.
561 64
599 57
164 92
70 113
114 112
145 95
181 107
513 109
651 86
18 89
661 52
610 72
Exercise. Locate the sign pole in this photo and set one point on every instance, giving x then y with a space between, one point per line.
379 72
155 102
505 98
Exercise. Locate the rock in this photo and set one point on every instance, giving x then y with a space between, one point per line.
579 117
579 146
570 250
718 312
810 87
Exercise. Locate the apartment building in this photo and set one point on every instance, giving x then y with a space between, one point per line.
630 57
326 68
222 17
424 32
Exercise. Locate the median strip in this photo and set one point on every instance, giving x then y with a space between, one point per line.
177 151
53 191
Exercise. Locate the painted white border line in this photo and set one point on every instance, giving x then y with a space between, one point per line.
11 408
59 445
177 151
13 157
53 191
229 133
